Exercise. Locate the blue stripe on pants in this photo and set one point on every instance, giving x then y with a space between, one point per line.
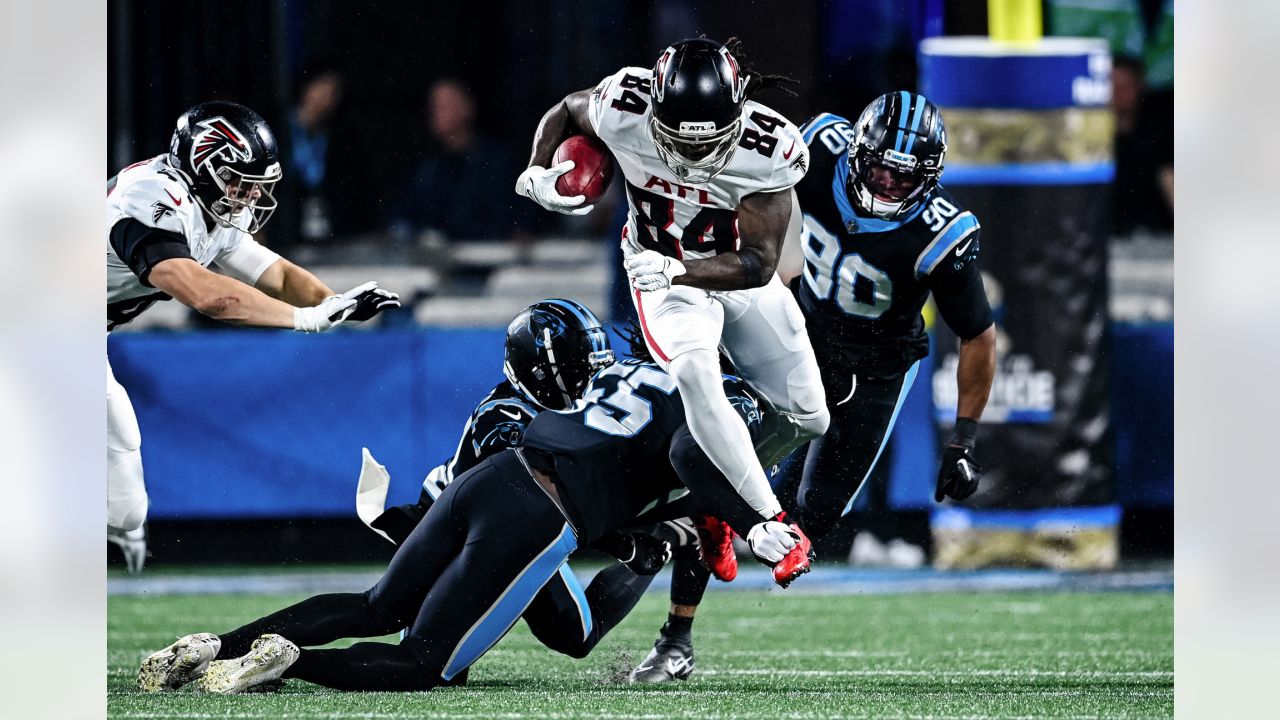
907 382
579 598
511 604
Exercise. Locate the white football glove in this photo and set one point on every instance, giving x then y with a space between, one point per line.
539 185
771 541
650 270
331 311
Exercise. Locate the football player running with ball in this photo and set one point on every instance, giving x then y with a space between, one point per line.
168 219
879 235
709 176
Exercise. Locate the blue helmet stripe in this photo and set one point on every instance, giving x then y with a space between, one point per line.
902 118
584 316
915 123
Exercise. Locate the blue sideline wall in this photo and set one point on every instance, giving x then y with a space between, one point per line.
261 424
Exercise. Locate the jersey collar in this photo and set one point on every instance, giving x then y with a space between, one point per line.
862 223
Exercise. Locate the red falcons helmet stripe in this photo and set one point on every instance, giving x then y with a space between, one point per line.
219 138
737 76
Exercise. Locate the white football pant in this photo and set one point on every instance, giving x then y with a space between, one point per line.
762 331
126 493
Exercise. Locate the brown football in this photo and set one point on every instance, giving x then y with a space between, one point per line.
592 170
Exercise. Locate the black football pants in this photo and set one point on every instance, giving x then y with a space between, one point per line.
836 465
465 574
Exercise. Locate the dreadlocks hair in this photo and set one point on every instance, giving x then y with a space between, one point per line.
757 81
639 349
634 336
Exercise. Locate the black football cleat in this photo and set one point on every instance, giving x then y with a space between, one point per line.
667 661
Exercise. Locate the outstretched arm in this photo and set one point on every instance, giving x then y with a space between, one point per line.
219 297
295 285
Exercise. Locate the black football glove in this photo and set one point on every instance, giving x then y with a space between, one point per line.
399 521
642 553
960 473
649 554
371 302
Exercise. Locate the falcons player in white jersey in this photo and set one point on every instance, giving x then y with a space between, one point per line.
168 219
708 177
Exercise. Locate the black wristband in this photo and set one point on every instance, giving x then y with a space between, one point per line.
751 267
966 433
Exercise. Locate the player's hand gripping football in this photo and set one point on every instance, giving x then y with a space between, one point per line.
539 185
650 270
783 546
359 303
960 474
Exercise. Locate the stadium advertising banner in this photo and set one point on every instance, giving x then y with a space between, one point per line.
1030 151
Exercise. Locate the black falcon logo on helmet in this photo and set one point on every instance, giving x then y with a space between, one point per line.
218 138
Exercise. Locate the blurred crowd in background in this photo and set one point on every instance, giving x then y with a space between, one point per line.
404 125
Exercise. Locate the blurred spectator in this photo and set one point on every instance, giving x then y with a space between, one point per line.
308 156
462 187
1144 154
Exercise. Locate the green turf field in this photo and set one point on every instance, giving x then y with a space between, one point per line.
759 655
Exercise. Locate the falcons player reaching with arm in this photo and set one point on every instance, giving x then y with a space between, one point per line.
168 219
708 177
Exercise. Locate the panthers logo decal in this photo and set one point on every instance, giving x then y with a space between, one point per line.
553 327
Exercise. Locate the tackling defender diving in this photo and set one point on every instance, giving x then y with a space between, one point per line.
487 546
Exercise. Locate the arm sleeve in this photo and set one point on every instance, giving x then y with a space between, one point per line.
246 259
960 295
142 247
700 475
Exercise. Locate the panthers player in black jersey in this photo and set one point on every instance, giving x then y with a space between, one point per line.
553 348
879 236
490 542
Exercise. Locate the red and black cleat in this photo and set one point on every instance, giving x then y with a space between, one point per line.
796 562
715 545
